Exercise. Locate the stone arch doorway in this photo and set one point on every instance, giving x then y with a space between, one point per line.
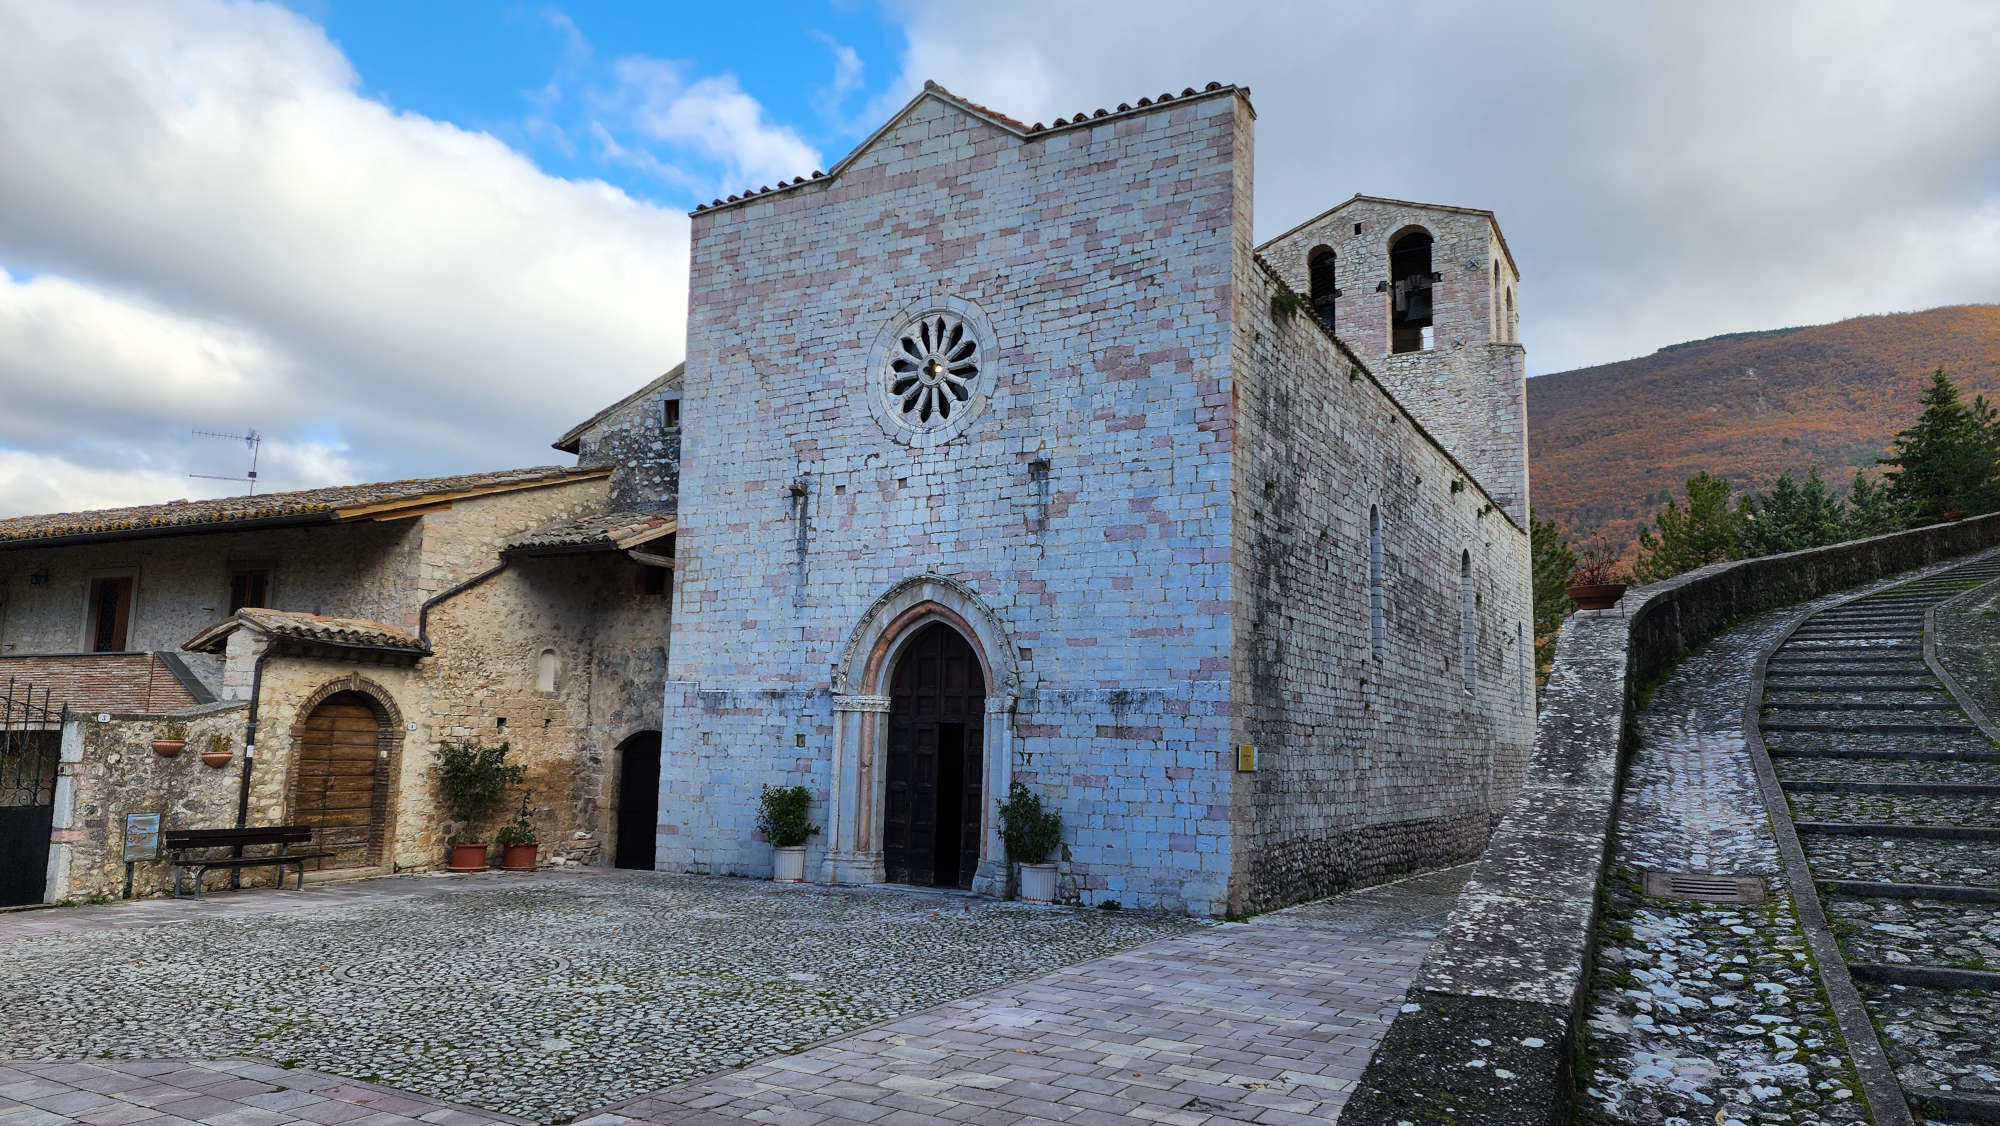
934 782
638 825
340 778
982 699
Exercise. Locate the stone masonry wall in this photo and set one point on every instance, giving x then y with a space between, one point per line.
1370 766
645 454
117 773
1470 389
1087 506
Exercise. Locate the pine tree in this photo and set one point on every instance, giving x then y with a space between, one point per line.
1946 461
1706 531
1792 516
1552 560
1870 512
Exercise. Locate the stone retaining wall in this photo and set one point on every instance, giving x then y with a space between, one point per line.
1489 1031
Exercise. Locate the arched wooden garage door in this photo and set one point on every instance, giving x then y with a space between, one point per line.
338 783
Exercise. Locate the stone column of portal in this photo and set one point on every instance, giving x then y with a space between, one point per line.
853 856
991 878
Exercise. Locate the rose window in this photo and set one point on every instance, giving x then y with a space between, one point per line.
932 370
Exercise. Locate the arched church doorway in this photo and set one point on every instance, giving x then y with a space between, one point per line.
638 801
936 759
340 782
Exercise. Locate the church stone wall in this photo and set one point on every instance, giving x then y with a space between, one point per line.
643 452
1369 766
1087 507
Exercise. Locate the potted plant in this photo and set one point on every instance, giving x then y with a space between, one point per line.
784 816
1595 582
173 736
218 753
1031 834
472 778
517 840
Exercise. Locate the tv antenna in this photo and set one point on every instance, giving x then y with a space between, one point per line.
249 438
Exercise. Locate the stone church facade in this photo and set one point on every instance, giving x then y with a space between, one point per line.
1010 456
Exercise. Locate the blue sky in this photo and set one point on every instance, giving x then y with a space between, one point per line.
412 239
498 68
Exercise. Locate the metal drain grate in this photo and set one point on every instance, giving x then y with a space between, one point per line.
1705 886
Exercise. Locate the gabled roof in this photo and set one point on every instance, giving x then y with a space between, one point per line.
1359 198
604 531
571 441
992 117
386 500
346 633
106 682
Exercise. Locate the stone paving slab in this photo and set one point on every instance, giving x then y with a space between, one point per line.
225 1092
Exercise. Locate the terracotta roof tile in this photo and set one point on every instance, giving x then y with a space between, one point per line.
298 626
153 519
608 530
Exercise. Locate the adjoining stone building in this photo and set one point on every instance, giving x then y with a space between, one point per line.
1016 459
343 633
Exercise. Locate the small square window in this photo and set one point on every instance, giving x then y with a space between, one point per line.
250 586
1357 228
670 413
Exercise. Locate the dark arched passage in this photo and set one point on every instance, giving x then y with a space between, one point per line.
937 713
638 801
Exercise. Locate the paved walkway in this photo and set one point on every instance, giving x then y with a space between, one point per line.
1270 1021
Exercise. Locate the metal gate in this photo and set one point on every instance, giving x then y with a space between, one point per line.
30 748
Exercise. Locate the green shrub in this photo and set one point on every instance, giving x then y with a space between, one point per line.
519 831
472 778
1030 832
784 815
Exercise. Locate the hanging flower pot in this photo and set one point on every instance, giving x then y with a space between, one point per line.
216 758
168 748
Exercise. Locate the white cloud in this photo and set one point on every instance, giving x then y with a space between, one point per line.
1662 172
709 117
224 231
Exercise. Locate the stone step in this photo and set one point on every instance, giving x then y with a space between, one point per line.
1793 682
1878 728
1879 889
1929 977
1948 1107
1889 829
1908 860
1915 789
1894 807
1876 768
1849 744
1794 699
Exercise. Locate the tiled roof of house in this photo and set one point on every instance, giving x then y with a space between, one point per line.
605 530
309 505
570 441
1083 117
293 625
100 682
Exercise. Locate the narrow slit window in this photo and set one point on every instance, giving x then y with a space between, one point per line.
1378 626
545 671
670 414
1468 622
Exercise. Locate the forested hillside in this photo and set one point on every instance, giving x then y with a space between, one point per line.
1609 443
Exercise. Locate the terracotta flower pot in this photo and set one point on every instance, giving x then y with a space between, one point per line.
217 758
168 748
1038 883
467 858
788 865
1596 596
518 858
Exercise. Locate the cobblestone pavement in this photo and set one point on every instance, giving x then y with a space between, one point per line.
1713 1013
1197 1024
542 997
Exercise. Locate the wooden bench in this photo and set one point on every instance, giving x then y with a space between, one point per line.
187 849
